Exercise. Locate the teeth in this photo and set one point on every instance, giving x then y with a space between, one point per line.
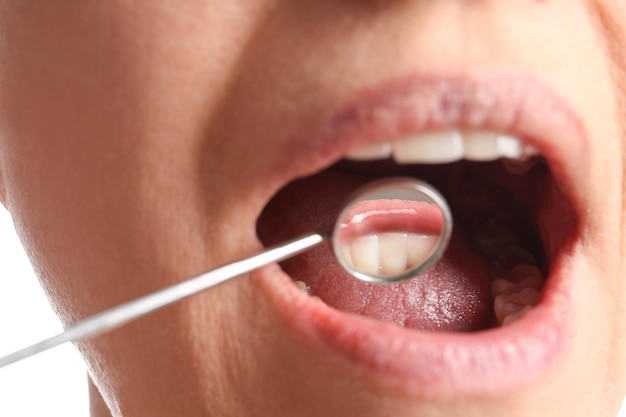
364 251
392 253
515 314
517 282
306 289
511 147
429 148
302 286
419 247
509 307
372 152
388 254
516 292
481 146
449 146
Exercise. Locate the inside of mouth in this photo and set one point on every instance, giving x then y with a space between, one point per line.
497 262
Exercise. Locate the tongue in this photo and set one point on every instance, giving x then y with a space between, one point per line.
453 295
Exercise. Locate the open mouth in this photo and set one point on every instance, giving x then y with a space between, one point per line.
492 273
497 302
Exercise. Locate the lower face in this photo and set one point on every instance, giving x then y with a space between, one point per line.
141 146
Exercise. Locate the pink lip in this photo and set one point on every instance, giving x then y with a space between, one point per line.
376 216
438 364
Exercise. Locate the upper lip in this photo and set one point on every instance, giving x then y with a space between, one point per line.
437 363
516 105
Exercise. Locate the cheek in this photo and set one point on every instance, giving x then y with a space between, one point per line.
105 153
104 136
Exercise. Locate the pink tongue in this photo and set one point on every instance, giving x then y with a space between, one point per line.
453 295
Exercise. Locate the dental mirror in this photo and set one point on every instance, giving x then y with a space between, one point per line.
392 230
389 230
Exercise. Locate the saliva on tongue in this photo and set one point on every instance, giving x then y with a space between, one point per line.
453 295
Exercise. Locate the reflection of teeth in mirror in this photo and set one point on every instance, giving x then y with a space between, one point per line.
364 253
392 248
346 255
389 253
419 247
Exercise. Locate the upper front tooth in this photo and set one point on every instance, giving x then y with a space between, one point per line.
480 146
510 147
372 152
488 146
429 148
447 146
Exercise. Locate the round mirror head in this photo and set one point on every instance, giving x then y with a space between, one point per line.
392 230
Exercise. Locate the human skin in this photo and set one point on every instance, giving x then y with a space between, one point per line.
139 142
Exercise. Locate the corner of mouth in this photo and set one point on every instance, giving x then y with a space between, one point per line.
437 364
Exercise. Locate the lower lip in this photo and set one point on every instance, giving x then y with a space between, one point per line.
437 364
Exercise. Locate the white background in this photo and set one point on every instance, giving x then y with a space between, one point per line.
52 383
